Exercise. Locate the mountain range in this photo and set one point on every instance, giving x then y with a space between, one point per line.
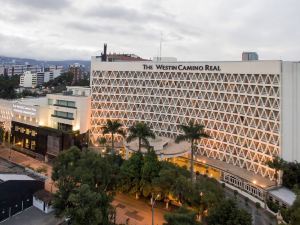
21 61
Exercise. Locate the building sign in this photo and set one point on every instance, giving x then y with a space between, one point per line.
23 109
182 67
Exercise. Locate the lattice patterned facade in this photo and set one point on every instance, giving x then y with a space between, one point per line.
241 111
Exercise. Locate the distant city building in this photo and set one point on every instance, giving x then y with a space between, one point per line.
248 56
56 70
78 72
43 77
11 70
28 79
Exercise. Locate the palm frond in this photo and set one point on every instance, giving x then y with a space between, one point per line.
180 138
130 138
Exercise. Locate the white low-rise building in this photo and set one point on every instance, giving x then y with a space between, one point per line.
45 126
28 79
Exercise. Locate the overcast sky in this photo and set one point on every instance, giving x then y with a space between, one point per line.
190 29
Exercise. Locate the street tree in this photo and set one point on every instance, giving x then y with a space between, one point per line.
130 174
182 216
142 132
294 212
149 172
114 128
228 213
86 182
277 164
192 132
88 207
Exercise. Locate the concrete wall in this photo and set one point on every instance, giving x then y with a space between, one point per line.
290 108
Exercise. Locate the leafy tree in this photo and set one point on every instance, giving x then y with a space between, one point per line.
8 86
182 188
130 174
113 127
192 132
295 211
142 132
87 206
86 183
277 164
182 216
228 213
207 193
150 170
291 174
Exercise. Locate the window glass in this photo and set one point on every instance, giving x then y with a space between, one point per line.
63 114
50 101
27 131
33 133
71 104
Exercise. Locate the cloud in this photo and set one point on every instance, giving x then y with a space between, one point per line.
191 30
40 4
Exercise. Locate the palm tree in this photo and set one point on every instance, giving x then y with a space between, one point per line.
113 127
192 133
277 164
142 132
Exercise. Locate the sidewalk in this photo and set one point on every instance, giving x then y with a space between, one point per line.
137 212
29 162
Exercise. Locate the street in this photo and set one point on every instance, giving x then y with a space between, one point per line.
259 216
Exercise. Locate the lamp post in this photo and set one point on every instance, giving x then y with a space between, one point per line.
200 210
152 206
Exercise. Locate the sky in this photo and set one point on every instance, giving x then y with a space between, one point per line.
198 30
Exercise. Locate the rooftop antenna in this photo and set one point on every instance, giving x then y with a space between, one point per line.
160 46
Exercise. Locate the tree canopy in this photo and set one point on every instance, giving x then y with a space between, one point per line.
86 182
228 213
182 216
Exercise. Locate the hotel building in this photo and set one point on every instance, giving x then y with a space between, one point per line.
249 109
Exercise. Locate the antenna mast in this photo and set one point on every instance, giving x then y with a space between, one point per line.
160 46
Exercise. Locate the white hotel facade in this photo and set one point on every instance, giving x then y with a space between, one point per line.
249 108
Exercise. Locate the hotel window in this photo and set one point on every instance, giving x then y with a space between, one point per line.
64 114
22 130
27 131
32 145
26 143
33 133
16 128
50 101
65 103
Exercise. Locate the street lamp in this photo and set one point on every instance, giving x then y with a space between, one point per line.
200 210
152 206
